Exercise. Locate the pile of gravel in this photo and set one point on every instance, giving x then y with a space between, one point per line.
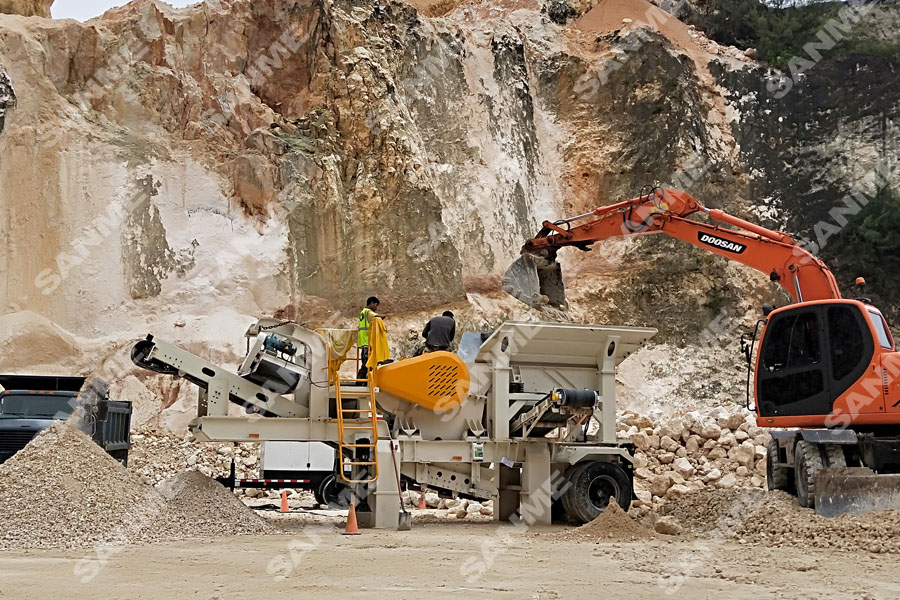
64 491
775 519
612 524
208 508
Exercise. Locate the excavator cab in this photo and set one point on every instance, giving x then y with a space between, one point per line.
814 359
830 368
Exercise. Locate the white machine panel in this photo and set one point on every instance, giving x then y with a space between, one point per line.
562 344
296 456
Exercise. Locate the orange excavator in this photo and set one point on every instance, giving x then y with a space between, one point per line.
826 366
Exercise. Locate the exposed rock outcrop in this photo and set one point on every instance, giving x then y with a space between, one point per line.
26 8
236 158
7 97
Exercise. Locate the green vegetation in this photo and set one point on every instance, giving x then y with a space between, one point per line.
869 246
779 29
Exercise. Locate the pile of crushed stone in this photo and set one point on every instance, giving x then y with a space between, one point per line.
612 524
64 491
208 508
775 519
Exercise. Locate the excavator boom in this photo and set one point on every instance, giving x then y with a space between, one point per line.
536 277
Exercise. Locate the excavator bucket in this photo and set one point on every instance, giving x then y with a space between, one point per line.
535 281
855 490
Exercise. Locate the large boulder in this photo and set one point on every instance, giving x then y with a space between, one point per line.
659 485
667 525
730 421
728 481
668 444
640 440
709 430
743 454
684 467
672 428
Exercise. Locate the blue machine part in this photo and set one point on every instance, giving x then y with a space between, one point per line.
275 344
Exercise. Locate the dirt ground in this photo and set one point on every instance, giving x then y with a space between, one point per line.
447 559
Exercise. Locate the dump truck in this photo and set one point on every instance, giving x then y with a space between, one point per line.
31 403
826 372
524 416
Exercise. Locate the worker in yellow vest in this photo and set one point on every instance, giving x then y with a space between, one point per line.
366 316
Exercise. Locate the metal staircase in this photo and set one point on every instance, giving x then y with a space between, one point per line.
355 420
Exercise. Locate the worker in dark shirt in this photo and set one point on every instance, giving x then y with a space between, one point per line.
439 332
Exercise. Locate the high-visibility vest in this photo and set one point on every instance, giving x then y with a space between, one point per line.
362 339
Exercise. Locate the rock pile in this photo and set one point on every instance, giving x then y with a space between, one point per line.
775 519
63 491
205 506
612 524
157 456
460 508
720 448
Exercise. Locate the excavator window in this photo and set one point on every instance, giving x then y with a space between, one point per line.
791 379
846 339
884 337
795 343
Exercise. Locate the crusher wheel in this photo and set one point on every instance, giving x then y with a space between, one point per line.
333 493
592 485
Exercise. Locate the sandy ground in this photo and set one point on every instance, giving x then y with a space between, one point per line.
448 559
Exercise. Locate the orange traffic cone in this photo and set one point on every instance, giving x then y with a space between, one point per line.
352 526
284 503
422 505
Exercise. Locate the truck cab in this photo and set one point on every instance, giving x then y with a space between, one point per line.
31 403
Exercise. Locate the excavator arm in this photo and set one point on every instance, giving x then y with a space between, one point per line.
536 277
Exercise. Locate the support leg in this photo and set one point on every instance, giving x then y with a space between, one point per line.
384 500
507 502
535 508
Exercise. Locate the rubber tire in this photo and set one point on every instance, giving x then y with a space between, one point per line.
834 455
807 464
330 490
584 502
565 500
320 500
777 477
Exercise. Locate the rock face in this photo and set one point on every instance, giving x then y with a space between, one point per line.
350 150
232 159
7 97
26 8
